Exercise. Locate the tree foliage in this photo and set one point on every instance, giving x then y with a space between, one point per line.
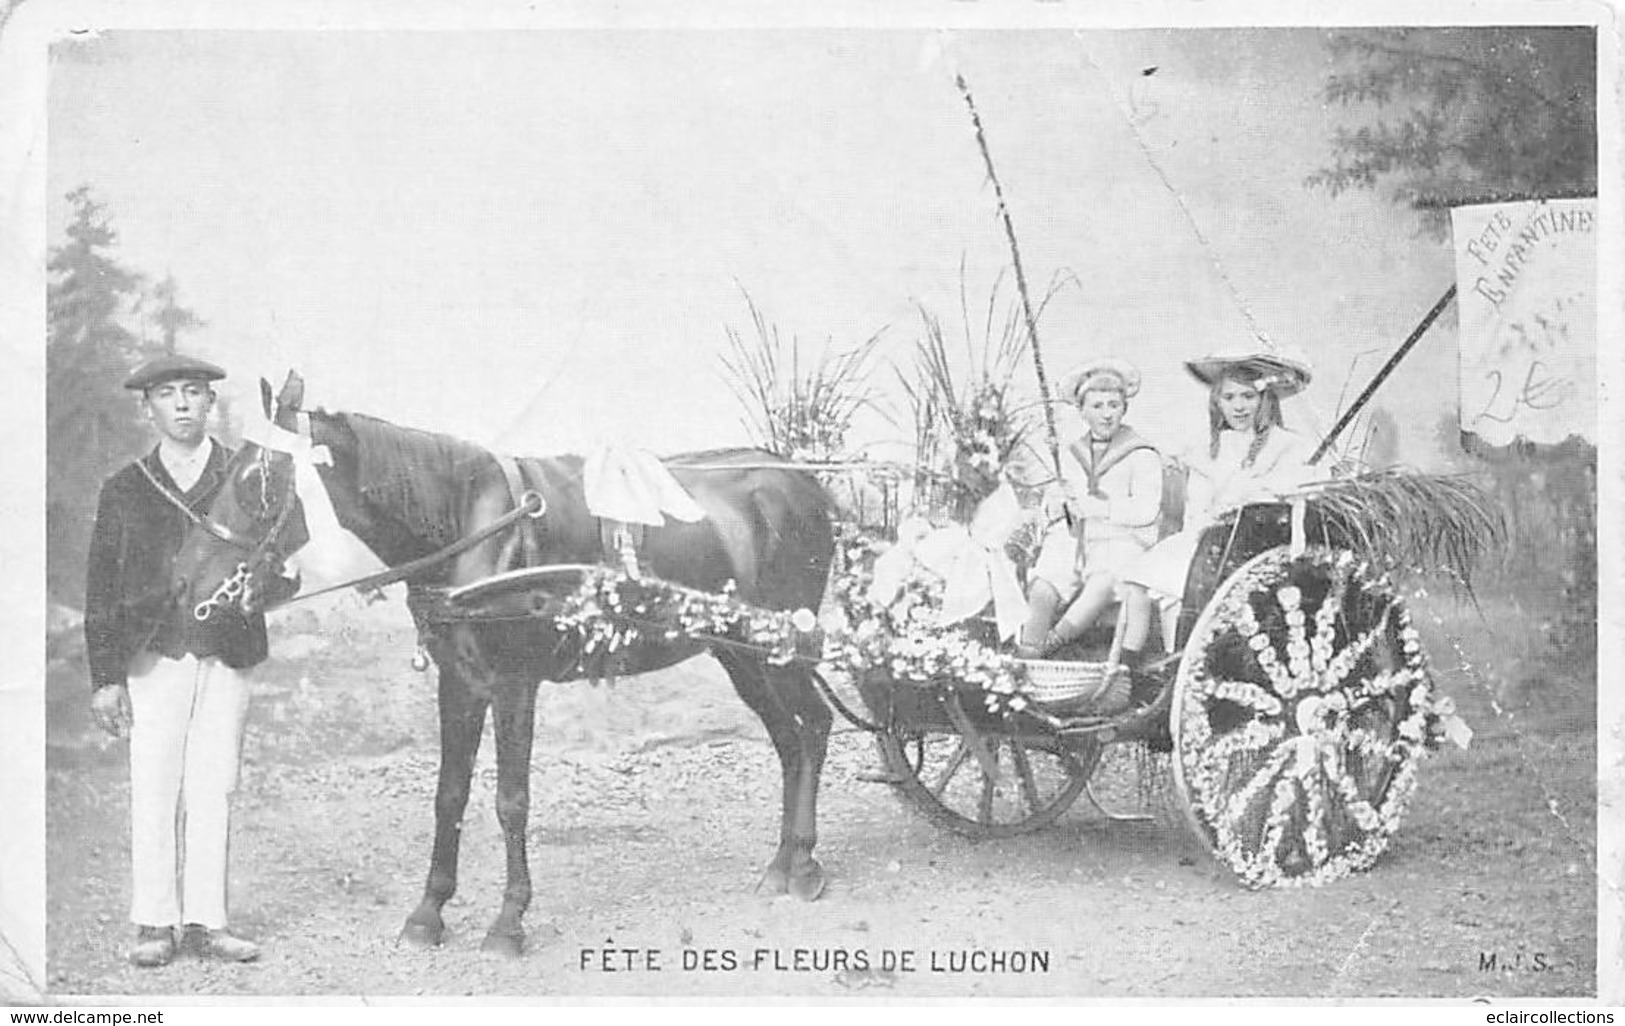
92 423
1456 114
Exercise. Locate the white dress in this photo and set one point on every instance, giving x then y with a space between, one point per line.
1216 484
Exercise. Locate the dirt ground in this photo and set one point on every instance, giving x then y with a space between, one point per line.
655 805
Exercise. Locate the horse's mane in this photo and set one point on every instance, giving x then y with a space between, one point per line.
421 477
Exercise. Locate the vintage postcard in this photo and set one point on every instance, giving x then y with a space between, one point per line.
831 503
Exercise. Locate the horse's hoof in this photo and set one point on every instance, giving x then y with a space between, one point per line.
509 945
420 935
774 881
808 882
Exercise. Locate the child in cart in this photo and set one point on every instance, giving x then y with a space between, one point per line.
1102 512
1251 456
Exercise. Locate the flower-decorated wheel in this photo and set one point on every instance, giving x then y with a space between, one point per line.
1301 708
986 784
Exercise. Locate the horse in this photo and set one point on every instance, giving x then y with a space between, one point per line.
409 494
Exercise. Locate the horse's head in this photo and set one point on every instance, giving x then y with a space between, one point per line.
293 495
236 548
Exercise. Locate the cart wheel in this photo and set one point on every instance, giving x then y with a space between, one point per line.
1295 737
1037 778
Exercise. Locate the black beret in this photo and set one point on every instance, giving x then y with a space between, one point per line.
174 367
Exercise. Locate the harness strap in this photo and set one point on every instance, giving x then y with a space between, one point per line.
530 505
869 726
220 531
514 473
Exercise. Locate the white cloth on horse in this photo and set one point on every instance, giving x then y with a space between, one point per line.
634 487
970 561
332 555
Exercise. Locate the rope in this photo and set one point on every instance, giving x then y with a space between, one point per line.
219 530
1208 249
1184 208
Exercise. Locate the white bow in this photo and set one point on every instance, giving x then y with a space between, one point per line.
634 487
259 429
332 555
969 560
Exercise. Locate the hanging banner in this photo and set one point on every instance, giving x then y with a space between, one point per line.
1526 278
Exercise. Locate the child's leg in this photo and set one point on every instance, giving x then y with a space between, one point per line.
1054 577
1170 620
1136 621
1043 602
1097 594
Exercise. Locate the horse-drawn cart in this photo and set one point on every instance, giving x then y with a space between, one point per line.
1296 703
1296 707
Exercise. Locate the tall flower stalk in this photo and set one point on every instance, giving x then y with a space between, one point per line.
968 430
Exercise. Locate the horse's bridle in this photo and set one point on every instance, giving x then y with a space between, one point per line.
231 589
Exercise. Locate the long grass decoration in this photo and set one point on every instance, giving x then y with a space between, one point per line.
796 411
1405 520
949 413
968 434
1052 436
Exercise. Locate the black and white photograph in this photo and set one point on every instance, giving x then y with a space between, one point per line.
956 501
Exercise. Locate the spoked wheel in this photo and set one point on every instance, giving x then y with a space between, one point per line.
989 785
1299 715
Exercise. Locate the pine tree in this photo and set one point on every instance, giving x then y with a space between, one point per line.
163 311
92 422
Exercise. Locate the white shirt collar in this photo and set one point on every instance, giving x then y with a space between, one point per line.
185 467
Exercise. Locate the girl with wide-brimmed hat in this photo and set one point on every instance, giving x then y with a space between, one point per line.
1251 456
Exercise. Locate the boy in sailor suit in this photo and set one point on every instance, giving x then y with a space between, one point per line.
1103 512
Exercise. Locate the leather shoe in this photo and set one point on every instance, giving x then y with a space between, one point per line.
219 944
154 946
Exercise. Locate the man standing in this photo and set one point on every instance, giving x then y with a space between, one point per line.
176 687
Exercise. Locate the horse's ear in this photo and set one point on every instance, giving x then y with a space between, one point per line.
265 397
290 400
292 397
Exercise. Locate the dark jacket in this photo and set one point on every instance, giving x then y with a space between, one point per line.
130 603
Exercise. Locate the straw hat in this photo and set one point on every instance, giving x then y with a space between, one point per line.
1107 372
1281 368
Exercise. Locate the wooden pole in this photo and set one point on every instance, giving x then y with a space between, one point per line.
1021 277
1382 375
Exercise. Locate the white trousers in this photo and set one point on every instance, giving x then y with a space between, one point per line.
186 736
